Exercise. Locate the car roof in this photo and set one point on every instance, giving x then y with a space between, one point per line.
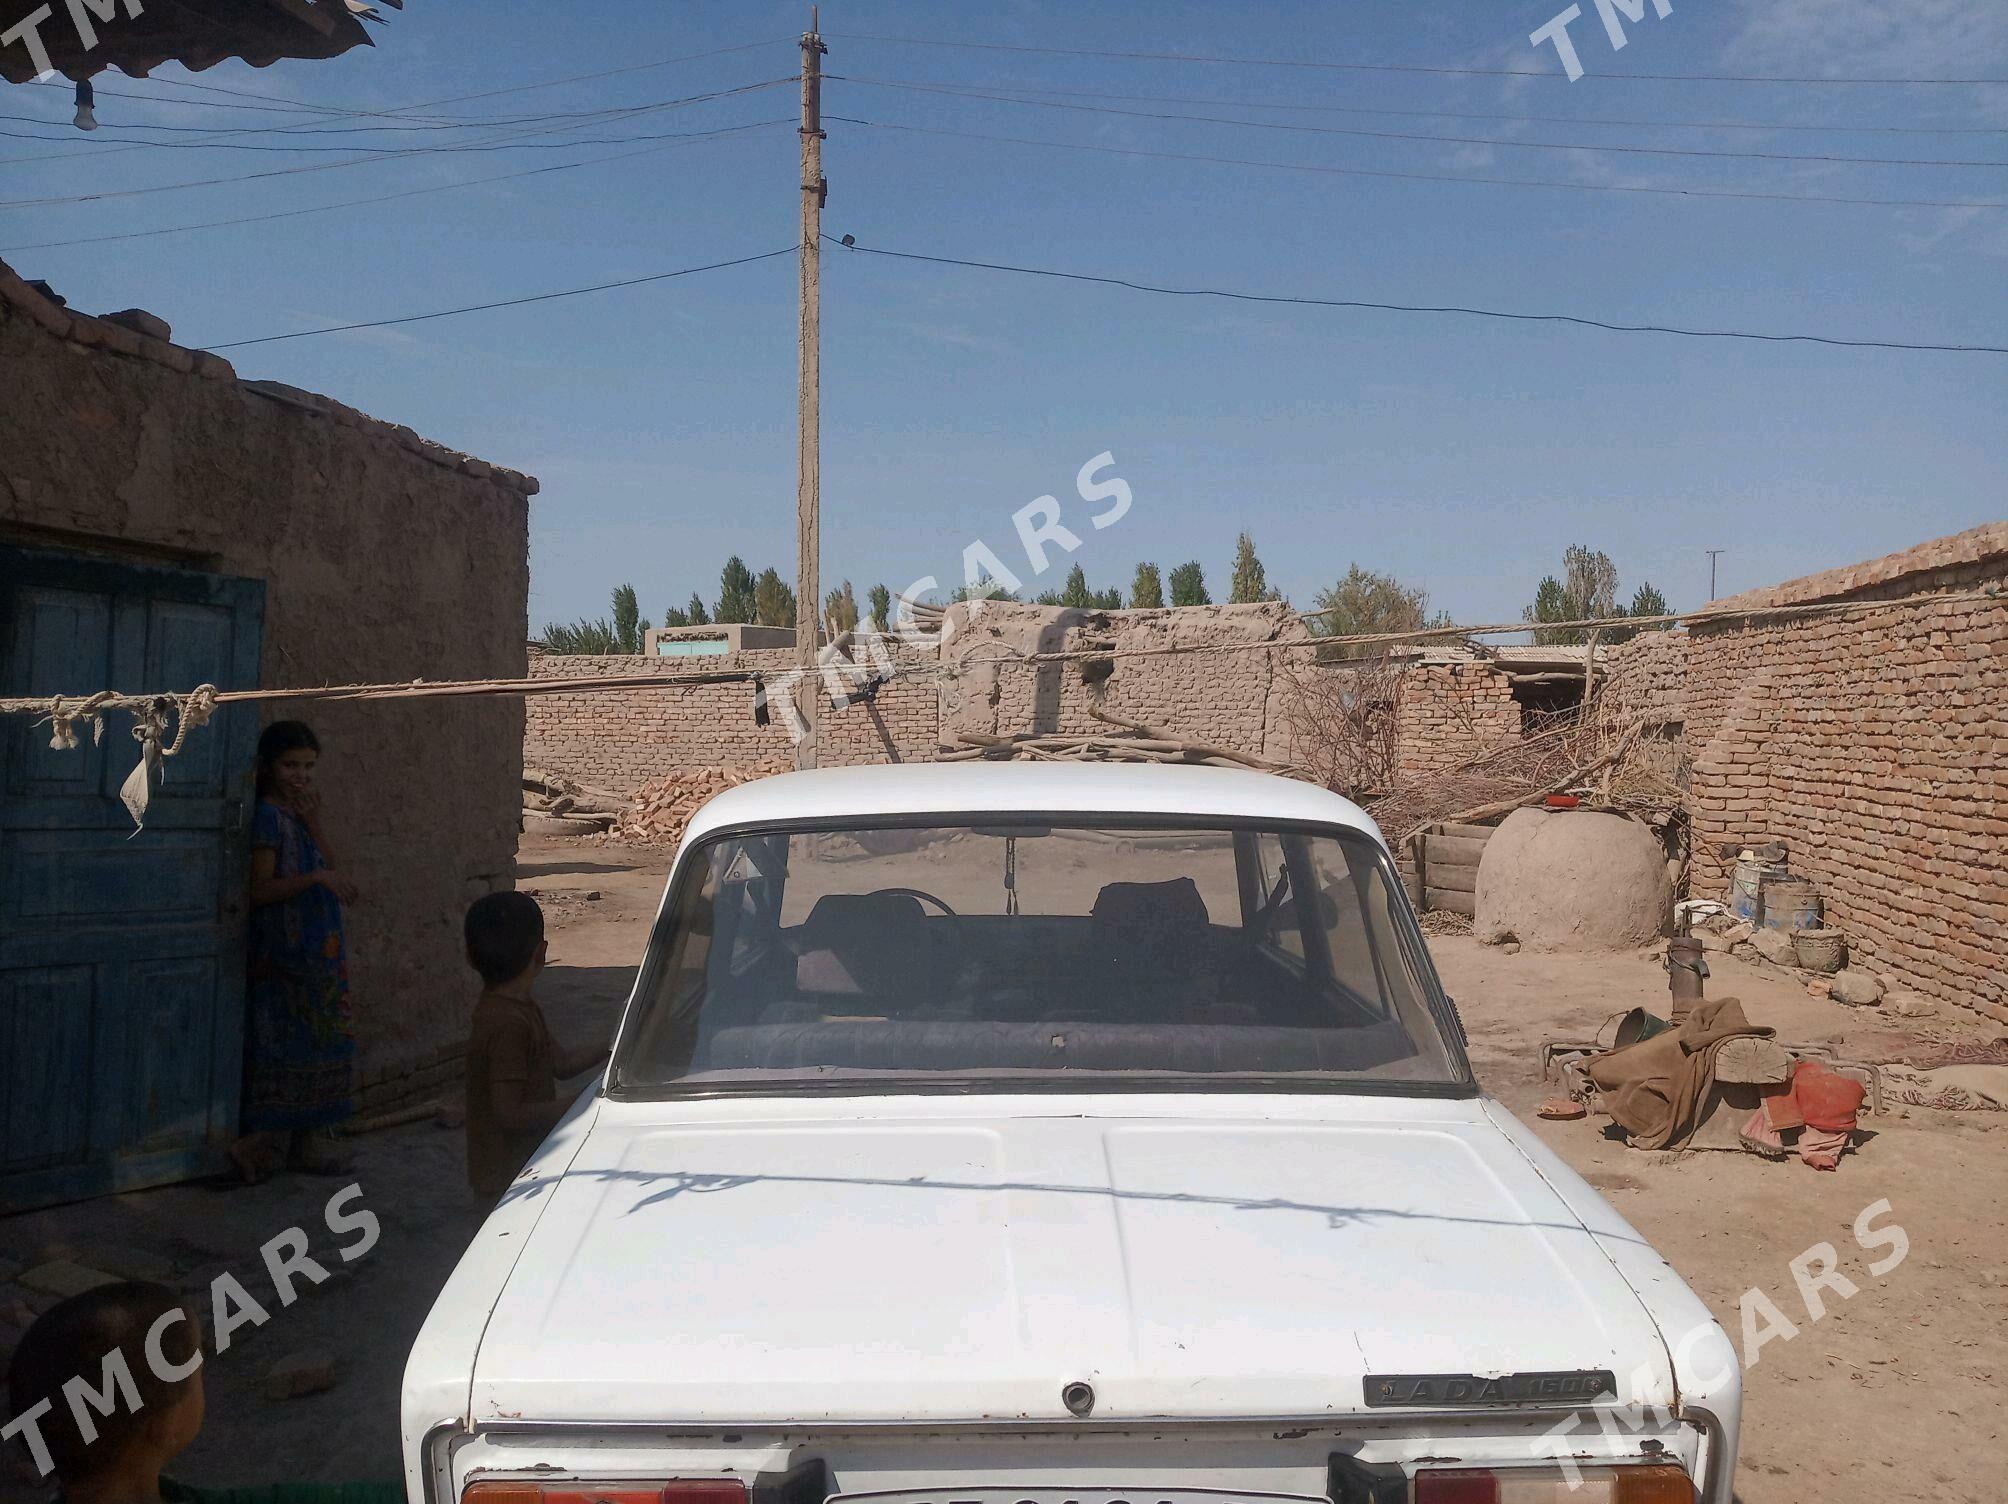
1006 788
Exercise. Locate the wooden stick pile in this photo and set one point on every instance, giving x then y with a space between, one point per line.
555 805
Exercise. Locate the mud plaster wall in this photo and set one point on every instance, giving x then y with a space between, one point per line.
378 564
1876 748
1230 698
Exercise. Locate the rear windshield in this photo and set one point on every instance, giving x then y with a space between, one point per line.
1005 956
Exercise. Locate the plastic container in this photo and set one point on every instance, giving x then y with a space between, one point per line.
1746 888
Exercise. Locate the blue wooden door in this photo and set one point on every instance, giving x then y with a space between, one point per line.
121 953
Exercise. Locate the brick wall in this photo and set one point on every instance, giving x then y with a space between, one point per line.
1648 676
1451 712
1875 747
622 739
977 683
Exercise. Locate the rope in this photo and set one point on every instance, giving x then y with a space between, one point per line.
63 735
196 709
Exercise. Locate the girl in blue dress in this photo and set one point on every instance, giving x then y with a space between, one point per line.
299 1038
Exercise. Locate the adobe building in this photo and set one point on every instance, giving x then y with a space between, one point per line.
162 525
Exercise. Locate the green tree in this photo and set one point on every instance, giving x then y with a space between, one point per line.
773 600
1551 603
1147 589
673 617
1188 585
630 626
1646 601
694 614
735 593
582 637
881 604
1251 580
1588 588
1075 592
1110 599
840 609
1367 602
623 635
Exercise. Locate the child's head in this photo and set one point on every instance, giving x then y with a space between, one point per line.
287 752
125 1341
505 937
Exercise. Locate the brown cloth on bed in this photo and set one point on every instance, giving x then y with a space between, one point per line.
1658 1088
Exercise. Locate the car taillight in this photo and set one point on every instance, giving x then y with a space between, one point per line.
673 1491
1654 1483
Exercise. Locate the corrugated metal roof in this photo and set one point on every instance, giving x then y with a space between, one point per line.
198 34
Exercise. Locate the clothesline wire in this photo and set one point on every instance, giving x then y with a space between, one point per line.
67 707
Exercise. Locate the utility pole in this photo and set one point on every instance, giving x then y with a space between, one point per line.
808 462
1713 554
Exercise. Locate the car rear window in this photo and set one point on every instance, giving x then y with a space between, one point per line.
1003 955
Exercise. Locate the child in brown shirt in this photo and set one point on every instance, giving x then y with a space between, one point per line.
513 1064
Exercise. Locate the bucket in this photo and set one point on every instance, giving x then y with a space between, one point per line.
1819 950
1746 888
1789 904
1636 1025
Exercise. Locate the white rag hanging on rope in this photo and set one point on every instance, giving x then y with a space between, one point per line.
191 710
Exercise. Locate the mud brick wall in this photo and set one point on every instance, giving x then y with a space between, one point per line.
621 739
384 557
901 723
976 682
1451 712
1647 676
1876 748
1228 698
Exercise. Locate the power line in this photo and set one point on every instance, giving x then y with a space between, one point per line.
580 78
391 154
1340 130
541 297
400 113
416 123
1271 62
281 104
1433 177
1484 313
471 146
382 198
197 104
224 137
1338 109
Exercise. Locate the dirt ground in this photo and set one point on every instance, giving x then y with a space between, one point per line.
1896 1395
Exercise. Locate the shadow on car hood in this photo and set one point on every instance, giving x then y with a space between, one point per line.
701 1263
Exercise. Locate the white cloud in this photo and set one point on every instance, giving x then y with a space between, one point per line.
1885 38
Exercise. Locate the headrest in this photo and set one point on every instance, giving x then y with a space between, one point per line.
866 913
1152 907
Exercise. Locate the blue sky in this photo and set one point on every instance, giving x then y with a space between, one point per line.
1460 455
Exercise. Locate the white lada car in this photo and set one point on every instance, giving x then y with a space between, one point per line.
1053 1134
